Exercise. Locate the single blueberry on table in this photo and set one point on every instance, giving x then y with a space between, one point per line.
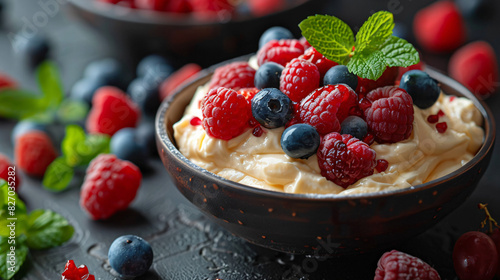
300 141
34 49
84 89
272 108
130 255
268 75
125 145
145 93
109 70
154 65
423 89
146 135
354 126
274 33
339 74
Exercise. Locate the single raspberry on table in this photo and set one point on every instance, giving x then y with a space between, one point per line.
390 116
344 159
234 76
395 265
387 79
111 111
8 172
34 152
7 82
326 107
110 185
177 78
248 93
71 272
299 78
280 51
225 113
315 57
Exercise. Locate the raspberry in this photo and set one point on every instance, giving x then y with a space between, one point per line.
8 172
111 111
177 78
281 51
439 27
344 159
71 272
7 82
323 63
325 108
225 113
248 93
299 78
264 7
34 152
178 6
212 10
390 117
475 66
234 76
395 265
110 185
387 79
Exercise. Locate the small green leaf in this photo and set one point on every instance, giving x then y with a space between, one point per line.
75 137
13 253
58 175
330 36
71 111
398 52
368 65
374 31
94 145
47 229
20 104
12 211
50 84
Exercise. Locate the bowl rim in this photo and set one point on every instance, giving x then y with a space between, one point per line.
488 143
142 16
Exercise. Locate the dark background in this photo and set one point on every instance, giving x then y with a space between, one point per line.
186 245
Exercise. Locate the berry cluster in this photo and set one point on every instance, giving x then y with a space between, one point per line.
327 110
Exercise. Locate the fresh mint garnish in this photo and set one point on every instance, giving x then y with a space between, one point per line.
369 55
78 150
8 269
47 229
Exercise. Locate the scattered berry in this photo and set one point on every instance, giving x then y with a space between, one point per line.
71 272
110 185
34 152
234 76
109 70
146 135
7 82
268 75
35 49
382 165
299 78
26 126
325 108
344 159
478 9
396 265
111 111
145 93
316 58
475 66
125 144
225 113
441 127
423 89
300 141
280 51
8 172
155 65
130 255
387 79
390 118
354 126
475 256
340 75
274 33
84 89
177 78
272 108
439 27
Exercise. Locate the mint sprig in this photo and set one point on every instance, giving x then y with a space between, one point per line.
78 150
40 229
368 55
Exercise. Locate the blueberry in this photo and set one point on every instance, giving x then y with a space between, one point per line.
268 75
26 126
156 66
480 9
354 126
400 30
145 93
274 33
35 49
146 135
339 74
84 89
125 145
272 108
109 70
423 89
300 141
130 255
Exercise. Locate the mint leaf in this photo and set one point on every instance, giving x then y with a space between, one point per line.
369 64
94 145
50 84
58 175
75 137
47 229
398 52
12 211
376 29
330 36
71 111
20 104
12 248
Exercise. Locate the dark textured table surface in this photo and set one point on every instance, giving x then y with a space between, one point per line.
185 243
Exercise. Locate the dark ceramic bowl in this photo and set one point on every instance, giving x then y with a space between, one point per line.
183 37
316 224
